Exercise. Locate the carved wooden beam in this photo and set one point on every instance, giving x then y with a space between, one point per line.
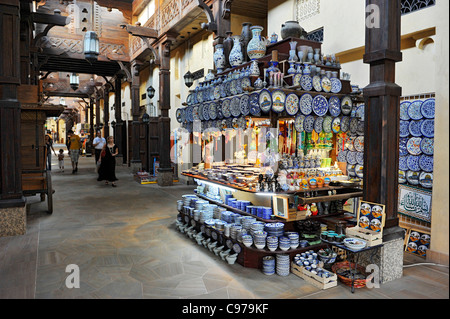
145 34
212 23
51 20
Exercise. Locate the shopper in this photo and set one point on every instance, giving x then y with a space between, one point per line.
98 143
61 160
107 170
49 145
74 146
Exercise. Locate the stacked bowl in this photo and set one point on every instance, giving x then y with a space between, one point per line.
247 240
234 229
259 239
274 229
284 243
268 265
283 266
205 215
200 204
256 226
272 243
247 221
294 238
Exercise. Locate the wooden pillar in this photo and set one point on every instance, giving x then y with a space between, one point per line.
89 147
97 112
382 100
135 163
119 127
12 202
106 110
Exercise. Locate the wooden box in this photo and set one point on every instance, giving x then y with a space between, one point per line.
317 281
371 237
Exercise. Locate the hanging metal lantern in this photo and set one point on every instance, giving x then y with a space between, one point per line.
74 81
91 46
188 79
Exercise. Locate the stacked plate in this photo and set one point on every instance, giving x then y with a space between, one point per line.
355 243
284 243
219 225
272 242
274 229
205 215
218 212
200 204
283 266
268 265
266 213
226 216
247 222
259 239
187 199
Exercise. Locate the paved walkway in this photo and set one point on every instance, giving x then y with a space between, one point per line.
124 242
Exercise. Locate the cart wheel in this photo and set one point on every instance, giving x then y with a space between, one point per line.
49 193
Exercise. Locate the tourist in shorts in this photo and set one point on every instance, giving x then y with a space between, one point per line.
74 146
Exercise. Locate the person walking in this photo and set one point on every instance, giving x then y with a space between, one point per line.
61 160
49 144
107 169
74 146
98 143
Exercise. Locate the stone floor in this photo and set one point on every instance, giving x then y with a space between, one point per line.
125 244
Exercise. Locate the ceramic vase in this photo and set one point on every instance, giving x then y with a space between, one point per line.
274 38
219 58
293 51
291 29
227 46
254 68
236 57
246 36
292 69
257 46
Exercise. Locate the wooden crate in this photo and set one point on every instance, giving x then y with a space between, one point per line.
371 237
317 281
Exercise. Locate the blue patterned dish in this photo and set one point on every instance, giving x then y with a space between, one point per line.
327 124
334 105
206 111
428 108
404 111
200 112
360 111
190 99
306 104
216 92
353 125
403 163
320 105
226 111
404 128
292 104
306 82
413 146
427 146
246 83
239 88
351 158
254 104
346 105
336 85
336 125
360 129
233 87
265 100
317 83
412 177
278 99
401 177
426 163
244 104
413 162
345 123
223 90
358 144
308 124
414 128
318 124
427 128
212 111
297 79
426 180
299 123
179 115
189 110
360 158
235 106
326 84
414 110
342 156
402 150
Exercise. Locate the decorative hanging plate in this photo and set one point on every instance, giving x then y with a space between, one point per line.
245 105
179 115
360 129
346 105
206 112
200 112
351 169
217 92
320 105
235 106
228 88
342 156
292 104
360 111
402 149
413 162
404 111
427 128
278 99
212 111
190 99
334 105
239 89
345 123
242 123
427 146
308 124
404 128
349 144
427 108
211 93
413 146
199 96
306 104
358 144
219 109
426 163
359 170
246 83
414 110
226 111
265 100
412 177
327 124
351 158
360 158
297 79
299 123
336 125
189 117
222 90
254 104
426 179
414 128
326 84
353 125
306 82
317 83
403 163
401 177
233 87
336 85
318 124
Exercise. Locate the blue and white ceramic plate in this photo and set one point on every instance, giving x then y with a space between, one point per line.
200 112
426 180
246 83
179 115
403 163
237 248
428 108
254 104
359 112
317 83
327 124
306 82
412 177
414 110
306 104
342 156
426 163
206 111
353 125
351 169
239 89
308 124
359 170
413 146
360 129
190 110
278 99
360 158
401 177
413 162
402 150
265 100
346 105
336 125
320 105
223 90
404 128
404 111
190 99
350 146
292 104
242 123
326 84
414 128
216 92
245 105
427 128
299 123
358 144
427 146
351 158
297 79
212 111
318 124
334 105
345 123
199 96
233 87
226 111
336 85
235 106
